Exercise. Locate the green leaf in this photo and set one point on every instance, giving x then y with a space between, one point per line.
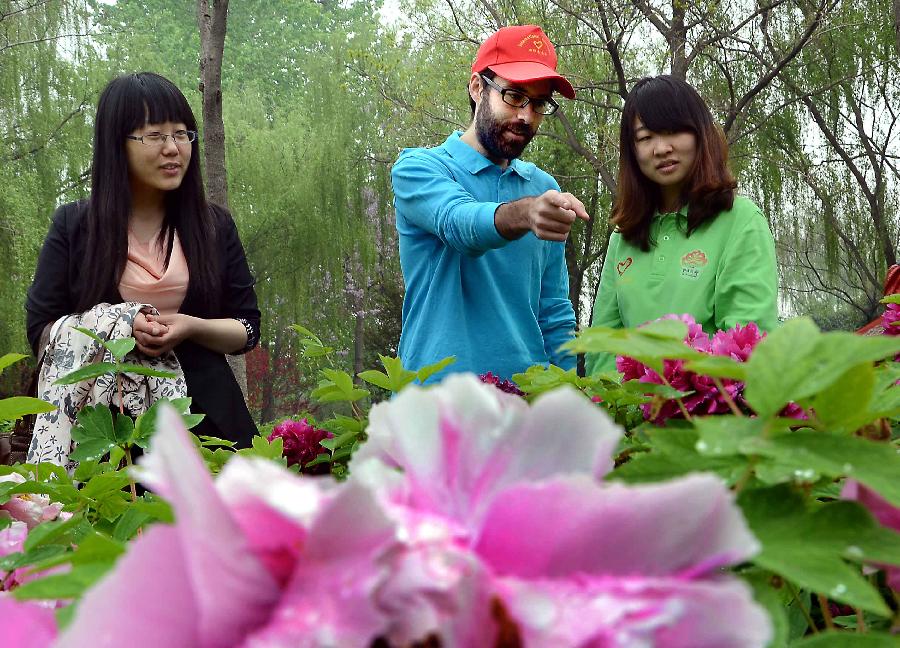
650 344
124 429
807 548
891 299
844 406
337 386
847 640
16 407
796 361
377 378
94 422
674 453
93 449
872 463
8 359
305 332
88 372
426 372
121 347
91 334
62 586
105 483
725 435
767 597
128 524
718 367
60 532
339 441
140 370
262 447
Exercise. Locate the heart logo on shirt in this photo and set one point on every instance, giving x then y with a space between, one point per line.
622 266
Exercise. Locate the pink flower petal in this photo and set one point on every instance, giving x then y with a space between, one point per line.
459 442
233 592
147 601
330 600
572 526
627 613
25 624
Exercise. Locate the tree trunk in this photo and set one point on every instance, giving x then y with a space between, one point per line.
212 21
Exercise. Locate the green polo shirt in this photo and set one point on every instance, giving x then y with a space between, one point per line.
723 274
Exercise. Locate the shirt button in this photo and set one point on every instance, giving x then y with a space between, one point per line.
665 238
662 258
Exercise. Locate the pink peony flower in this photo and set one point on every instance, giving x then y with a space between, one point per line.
886 513
889 319
442 530
301 444
29 508
618 566
705 398
507 386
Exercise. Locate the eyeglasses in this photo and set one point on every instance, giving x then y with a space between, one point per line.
159 139
520 99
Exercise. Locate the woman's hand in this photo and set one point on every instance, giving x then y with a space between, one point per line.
159 334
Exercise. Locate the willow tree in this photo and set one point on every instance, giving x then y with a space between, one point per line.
47 86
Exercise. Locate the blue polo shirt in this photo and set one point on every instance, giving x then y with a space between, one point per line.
494 304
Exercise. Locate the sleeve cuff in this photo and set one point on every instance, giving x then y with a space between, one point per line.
485 231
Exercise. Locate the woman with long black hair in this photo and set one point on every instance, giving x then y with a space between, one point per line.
684 242
146 234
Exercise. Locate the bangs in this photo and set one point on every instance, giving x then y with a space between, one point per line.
665 106
148 98
660 113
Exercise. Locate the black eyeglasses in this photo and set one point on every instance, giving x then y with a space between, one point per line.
519 99
159 139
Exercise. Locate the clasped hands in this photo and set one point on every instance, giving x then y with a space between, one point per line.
159 334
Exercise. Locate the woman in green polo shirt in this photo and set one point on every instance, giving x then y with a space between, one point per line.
684 241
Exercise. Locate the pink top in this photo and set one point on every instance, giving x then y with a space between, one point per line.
144 279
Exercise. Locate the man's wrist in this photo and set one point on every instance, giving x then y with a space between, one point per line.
511 219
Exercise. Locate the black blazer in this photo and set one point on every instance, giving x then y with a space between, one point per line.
59 283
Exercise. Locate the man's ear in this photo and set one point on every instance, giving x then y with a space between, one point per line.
476 85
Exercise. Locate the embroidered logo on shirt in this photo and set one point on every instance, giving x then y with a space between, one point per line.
622 266
692 263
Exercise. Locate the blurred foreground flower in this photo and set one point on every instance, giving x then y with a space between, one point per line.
469 516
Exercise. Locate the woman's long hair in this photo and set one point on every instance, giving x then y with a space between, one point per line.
127 103
667 104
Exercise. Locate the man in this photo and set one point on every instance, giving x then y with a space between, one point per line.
482 234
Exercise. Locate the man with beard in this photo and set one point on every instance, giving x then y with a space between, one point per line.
482 233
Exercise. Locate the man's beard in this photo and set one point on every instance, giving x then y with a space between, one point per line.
491 131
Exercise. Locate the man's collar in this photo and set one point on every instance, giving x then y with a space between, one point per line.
475 162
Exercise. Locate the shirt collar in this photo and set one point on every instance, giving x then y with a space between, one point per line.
475 162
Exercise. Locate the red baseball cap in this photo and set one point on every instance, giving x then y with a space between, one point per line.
522 53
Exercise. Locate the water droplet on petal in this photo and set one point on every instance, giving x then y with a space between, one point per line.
838 589
702 446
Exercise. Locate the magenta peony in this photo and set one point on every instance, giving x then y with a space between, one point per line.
506 386
301 444
705 397
891 318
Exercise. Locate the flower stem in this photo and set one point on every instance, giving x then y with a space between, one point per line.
826 612
684 412
860 621
806 614
727 397
130 478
